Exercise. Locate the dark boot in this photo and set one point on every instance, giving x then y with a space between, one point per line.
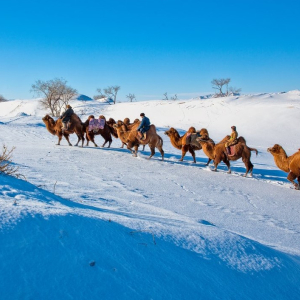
228 150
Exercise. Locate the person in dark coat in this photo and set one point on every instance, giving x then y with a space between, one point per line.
66 117
144 126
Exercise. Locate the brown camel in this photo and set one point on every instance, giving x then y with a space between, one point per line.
289 164
129 126
105 132
179 142
110 124
55 128
131 138
217 153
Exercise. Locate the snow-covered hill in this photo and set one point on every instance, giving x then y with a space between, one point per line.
94 223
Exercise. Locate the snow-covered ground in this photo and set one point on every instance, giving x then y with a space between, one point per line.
98 223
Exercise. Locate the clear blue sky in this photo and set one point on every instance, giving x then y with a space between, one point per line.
150 47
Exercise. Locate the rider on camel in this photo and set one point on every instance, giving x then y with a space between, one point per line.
66 117
232 140
144 126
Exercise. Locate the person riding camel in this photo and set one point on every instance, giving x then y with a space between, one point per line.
66 117
232 140
143 127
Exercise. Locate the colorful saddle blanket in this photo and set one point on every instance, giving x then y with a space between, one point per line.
96 124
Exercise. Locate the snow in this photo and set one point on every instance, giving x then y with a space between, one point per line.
153 229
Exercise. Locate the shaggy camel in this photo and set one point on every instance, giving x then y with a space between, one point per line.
179 142
130 137
129 126
55 128
105 132
217 153
289 164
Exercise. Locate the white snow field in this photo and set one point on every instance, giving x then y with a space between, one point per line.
98 223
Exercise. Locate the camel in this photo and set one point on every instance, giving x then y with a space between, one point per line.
130 137
217 153
289 164
110 124
129 126
55 128
179 142
105 132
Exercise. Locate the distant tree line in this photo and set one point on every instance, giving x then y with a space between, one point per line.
56 93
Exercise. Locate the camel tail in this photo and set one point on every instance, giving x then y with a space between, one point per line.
253 149
161 140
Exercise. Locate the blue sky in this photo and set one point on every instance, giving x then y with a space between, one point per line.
150 47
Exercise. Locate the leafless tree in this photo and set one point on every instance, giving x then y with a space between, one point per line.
112 92
218 84
174 97
130 97
166 96
2 99
6 165
234 91
100 95
56 94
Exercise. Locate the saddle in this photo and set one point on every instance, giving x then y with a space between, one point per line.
232 150
96 124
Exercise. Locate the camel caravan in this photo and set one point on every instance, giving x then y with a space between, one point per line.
142 133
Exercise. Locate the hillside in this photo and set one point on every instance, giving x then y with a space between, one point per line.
94 223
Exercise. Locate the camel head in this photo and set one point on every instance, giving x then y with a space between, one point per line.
171 132
111 122
126 121
192 130
119 124
47 119
136 121
276 150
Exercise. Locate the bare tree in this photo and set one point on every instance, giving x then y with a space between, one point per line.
166 96
56 94
2 99
112 92
218 84
234 91
100 95
130 97
174 97
6 165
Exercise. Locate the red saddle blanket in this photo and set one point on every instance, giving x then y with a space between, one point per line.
96 124
232 150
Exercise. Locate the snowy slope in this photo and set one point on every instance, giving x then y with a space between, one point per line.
156 229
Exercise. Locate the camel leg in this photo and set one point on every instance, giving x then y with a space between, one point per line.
59 139
291 177
80 138
216 163
144 147
248 165
152 149
227 163
67 138
209 160
191 150
160 149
